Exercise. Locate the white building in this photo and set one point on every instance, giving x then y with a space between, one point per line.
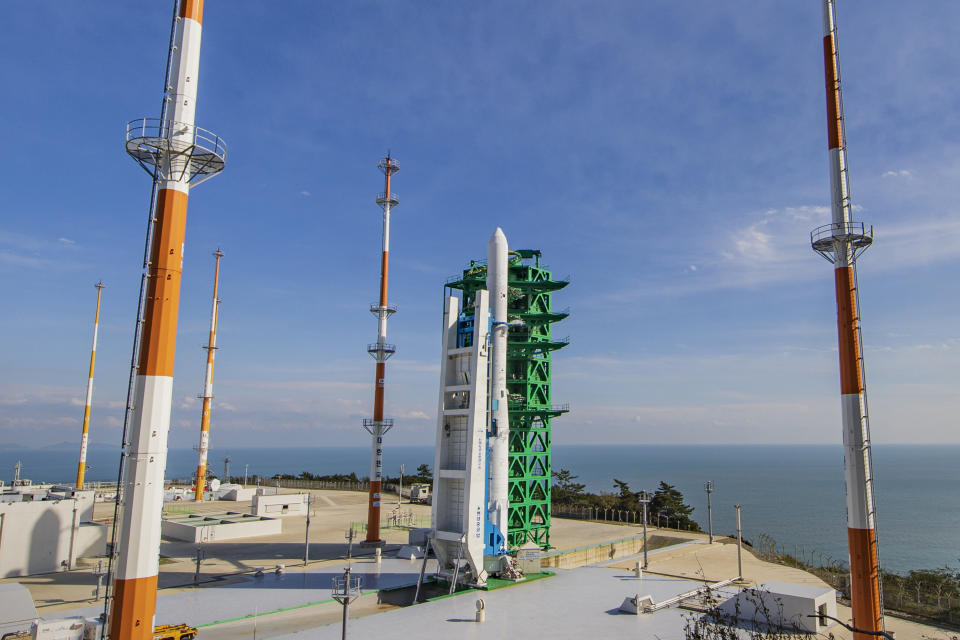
42 532
802 607
215 527
286 504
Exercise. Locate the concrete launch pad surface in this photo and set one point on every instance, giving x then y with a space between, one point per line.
577 601
249 595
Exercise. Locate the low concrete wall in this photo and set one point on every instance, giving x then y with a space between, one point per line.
593 554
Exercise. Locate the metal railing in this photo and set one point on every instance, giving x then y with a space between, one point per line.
154 143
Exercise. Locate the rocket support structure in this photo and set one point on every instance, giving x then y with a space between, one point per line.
208 386
177 155
82 466
499 440
841 242
381 352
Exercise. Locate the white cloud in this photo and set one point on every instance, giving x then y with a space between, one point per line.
305 193
66 241
901 173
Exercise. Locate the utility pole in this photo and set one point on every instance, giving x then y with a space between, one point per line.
739 545
400 490
196 573
246 468
226 470
644 500
345 591
709 488
306 542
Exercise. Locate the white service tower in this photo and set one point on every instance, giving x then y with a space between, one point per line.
460 499
499 500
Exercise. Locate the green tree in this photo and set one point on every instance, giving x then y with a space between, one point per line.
668 502
564 490
424 473
629 500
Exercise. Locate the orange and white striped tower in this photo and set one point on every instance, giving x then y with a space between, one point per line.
841 242
178 155
82 466
381 352
208 386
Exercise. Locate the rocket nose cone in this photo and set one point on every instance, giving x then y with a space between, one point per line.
498 238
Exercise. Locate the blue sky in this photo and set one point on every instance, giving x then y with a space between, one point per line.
669 156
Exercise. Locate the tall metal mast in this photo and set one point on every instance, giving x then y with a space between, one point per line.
381 352
177 155
841 242
208 386
82 466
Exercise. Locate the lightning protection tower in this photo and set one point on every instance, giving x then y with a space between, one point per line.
841 242
208 385
82 466
381 352
177 155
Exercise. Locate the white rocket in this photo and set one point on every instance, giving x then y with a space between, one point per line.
499 442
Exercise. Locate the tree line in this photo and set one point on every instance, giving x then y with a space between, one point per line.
423 475
664 502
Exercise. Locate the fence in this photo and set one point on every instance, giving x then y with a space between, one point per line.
925 594
297 483
397 519
622 516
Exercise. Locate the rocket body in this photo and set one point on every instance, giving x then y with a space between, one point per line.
499 438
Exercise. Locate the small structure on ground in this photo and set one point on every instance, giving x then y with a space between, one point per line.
210 527
286 504
784 605
235 493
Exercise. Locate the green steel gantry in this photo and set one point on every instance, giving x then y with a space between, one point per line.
529 349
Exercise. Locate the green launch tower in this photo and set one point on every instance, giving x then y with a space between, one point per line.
529 349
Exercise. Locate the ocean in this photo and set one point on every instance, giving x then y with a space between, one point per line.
793 493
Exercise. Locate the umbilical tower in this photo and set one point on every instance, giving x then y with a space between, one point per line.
530 344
